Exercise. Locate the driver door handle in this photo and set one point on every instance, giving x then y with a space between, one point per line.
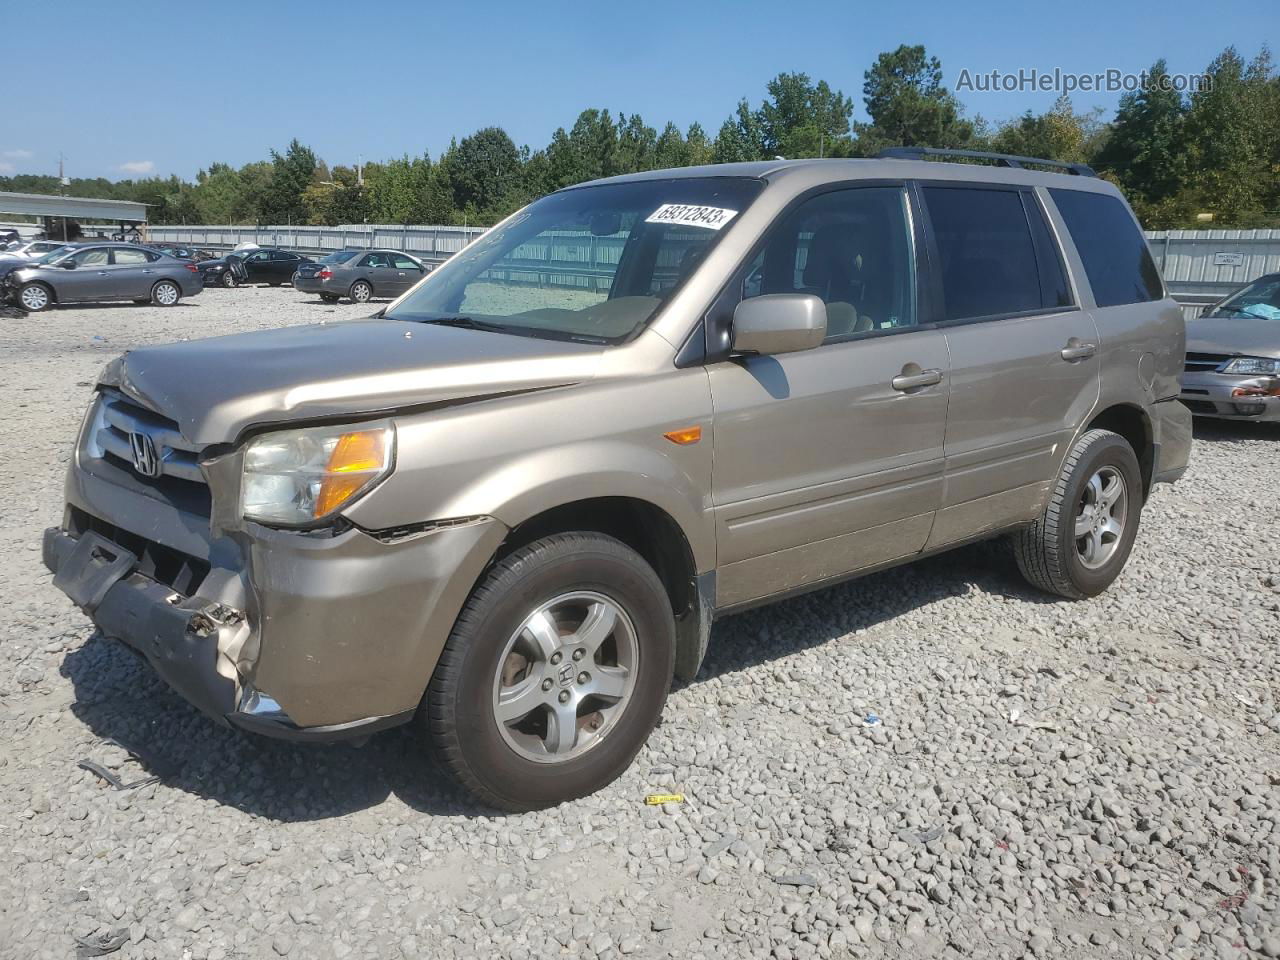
1075 350
911 381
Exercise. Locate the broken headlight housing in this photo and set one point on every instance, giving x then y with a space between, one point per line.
1253 366
297 478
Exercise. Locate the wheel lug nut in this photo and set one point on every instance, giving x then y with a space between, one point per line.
564 696
584 677
556 657
579 654
546 684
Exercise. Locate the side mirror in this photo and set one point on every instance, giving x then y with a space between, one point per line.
67 264
779 323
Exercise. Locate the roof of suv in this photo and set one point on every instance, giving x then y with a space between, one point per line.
832 170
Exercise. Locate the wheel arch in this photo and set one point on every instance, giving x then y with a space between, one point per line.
1133 424
656 536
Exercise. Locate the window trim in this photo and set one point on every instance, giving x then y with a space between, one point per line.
710 340
935 258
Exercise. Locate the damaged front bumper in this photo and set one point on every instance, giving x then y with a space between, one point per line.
1231 397
309 636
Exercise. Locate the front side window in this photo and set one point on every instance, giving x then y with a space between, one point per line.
988 257
1116 258
851 248
93 257
589 263
401 262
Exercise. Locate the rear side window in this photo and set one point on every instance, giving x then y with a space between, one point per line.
282 255
123 257
1114 252
990 264
376 260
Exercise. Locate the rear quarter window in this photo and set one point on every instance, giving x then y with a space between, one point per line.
1113 250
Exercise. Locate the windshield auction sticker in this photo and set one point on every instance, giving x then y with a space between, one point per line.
689 215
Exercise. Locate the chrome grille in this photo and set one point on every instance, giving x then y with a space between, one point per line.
119 417
1198 362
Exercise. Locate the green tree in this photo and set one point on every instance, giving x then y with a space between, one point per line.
804 119
280 201
1058 134
740 137
670 150
1145 151
485 173
636 147
908 104
698 149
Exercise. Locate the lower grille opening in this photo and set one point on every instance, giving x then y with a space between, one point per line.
180 571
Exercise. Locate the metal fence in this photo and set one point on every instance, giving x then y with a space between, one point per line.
1199 266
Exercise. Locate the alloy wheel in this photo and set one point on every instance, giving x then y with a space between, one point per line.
565 677
1100 518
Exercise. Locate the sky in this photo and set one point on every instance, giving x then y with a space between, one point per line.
137 88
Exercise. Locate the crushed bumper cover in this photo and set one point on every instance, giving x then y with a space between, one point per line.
339 635
1229 397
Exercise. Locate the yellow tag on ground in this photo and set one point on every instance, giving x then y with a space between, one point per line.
657 799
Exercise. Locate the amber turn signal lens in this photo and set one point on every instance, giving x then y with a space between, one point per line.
685 435
355 459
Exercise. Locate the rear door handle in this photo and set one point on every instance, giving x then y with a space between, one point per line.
1075 350
911 381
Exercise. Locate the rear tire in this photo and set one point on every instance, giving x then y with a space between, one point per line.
1081 542
35 297
165 293
361 292
555 673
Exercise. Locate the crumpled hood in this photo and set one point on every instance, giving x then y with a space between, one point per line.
217 388
1234 335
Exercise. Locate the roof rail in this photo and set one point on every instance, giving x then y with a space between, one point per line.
1000 159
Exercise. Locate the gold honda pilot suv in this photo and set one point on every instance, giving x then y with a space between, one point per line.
509 506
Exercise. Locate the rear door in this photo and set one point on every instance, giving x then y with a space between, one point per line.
1024 360
830 460
132 273
376 268
283 265
408 271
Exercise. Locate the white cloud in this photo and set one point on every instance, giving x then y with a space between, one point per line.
138 166
7 168
18 154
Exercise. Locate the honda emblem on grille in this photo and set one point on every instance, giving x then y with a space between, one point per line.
145 459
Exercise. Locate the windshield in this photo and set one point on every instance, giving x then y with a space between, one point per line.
339 256
57 253
592 263
1260 300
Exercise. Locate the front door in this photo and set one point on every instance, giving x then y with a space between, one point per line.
89 280
1024 361
407 272
830 461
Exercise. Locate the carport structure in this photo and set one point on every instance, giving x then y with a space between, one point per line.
126 213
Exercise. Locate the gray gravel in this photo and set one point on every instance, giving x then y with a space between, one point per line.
1048 779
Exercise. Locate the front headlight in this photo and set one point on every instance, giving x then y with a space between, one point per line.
297 477
1253 367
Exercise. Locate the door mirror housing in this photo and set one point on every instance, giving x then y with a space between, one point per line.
67 264
779 323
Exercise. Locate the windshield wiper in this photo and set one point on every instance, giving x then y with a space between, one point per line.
469 323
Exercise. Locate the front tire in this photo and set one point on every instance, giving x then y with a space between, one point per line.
361 292
229 279
35 297
165 293
1081 542
555 673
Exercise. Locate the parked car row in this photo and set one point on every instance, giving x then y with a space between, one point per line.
76 273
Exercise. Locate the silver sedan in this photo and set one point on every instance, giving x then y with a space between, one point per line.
107 271
360 275
1233 356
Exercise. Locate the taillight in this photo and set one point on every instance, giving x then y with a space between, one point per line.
325 273
192 267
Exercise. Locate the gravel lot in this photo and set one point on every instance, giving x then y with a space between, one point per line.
1049 779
